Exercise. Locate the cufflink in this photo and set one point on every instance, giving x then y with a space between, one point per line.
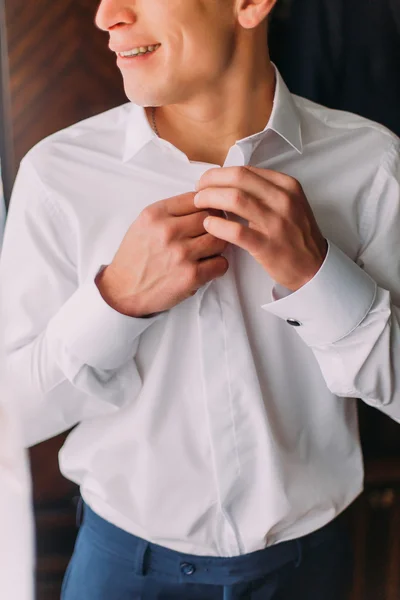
293 322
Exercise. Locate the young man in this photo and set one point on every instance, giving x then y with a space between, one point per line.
210 328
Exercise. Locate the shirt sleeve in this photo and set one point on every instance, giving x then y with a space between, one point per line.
68 354
349 314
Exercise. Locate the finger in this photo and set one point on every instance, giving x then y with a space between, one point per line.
232 200
234 233
222 176
189 226
211 268
281 180
178 206
193 225
205 246
267 186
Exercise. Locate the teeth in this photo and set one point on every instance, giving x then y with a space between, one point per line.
141 50
129 53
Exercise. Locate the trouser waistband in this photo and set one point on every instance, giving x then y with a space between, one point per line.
147 557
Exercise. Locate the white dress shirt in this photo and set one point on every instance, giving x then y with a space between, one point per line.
214 428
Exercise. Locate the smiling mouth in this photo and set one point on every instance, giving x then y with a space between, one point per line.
138 51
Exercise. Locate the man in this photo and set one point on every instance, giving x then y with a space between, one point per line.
208 327
16 531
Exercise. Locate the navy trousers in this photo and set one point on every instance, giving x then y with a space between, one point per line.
111 564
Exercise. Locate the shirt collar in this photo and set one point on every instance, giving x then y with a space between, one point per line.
284 120
138 132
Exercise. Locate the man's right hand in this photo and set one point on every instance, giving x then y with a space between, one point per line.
164 258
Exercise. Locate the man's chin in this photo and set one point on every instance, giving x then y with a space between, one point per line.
143 100
147 97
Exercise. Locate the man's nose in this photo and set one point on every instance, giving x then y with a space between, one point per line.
115 13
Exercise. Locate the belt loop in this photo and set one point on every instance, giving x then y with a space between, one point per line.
143 548
299 545
79 512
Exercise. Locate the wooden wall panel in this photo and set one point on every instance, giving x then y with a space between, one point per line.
6 147
61 70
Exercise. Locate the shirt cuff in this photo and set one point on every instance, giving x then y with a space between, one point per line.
330 305
93 332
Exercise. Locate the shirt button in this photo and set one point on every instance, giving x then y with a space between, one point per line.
293 322
187 568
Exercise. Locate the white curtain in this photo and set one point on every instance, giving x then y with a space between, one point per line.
16 522
2 211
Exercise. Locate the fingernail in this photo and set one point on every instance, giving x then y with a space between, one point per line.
196 199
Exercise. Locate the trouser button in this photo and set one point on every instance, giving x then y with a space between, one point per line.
187 568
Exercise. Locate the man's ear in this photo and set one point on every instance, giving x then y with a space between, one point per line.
253 12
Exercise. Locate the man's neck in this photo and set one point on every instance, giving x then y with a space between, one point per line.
206 128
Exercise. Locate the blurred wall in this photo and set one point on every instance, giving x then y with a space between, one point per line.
61 70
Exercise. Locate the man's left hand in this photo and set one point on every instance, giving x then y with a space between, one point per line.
281 234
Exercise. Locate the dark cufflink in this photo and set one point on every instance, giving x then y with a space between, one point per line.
293 322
